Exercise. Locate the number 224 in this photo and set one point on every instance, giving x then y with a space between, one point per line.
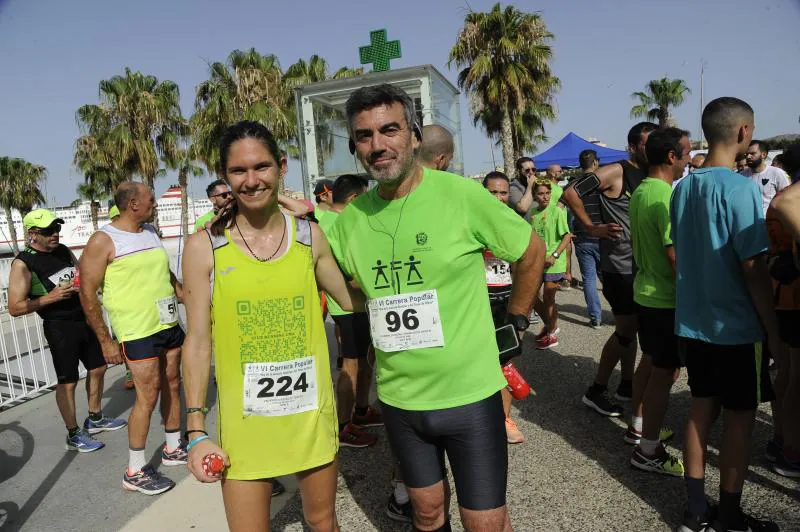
286 386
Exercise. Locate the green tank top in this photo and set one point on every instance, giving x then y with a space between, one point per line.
276 405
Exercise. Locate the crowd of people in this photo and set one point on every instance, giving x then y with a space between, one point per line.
421 274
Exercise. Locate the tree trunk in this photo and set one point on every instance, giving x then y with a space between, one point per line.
94 206
183 175
12 231
507 139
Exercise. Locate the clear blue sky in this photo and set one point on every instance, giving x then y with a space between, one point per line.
54 52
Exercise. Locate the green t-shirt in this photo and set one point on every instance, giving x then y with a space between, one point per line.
432 240
321 215
654 285
555 194
326 223
201 222
551 226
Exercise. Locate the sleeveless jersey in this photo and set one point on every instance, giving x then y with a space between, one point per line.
47 269
616 256
277 411
137 292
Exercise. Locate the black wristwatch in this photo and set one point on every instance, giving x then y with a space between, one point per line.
520 322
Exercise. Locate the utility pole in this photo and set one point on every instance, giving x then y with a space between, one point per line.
702 103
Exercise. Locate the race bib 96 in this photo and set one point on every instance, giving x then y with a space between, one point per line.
406 321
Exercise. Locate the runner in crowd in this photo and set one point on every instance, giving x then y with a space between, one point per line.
550 222
614 184
415 246
555 175
323 196
741 164
219 195
127 261
113 213
587 248
654 293
436 150
499 279
41 281
520 195
778 162
355 378
276 405
769 179
784 449
724 304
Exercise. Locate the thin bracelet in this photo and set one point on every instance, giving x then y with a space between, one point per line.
186 434
196 441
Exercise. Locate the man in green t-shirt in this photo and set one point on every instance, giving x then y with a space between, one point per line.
654 293
218 194
415 246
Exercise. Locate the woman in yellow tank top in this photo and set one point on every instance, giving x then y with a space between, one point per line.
275 394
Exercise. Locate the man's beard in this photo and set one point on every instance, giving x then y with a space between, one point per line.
755 164
403 169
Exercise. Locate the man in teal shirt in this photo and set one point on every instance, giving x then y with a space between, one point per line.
654 293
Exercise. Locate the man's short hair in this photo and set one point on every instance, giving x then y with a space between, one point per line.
375 95
763 146
436 140
636 132
661 142
587 158
346 185
522 160
126 191
214 184
323 186
791 159
723 116
494 175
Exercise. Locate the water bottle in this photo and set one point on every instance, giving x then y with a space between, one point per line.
517 385
76 281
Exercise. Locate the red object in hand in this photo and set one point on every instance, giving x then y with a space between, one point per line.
76 281
213 464
517 384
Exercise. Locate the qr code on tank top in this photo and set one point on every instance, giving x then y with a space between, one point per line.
272 330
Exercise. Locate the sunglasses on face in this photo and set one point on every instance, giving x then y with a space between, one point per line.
49 231
529 170
223 195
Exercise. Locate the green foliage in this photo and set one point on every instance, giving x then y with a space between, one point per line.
19 190
655 102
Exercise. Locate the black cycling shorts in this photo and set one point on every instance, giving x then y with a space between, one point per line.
474 438
354 335
154 345
737 374
70 342
618 291
657 336
789 327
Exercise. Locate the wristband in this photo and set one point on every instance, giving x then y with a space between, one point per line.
186 434
196 441
202 410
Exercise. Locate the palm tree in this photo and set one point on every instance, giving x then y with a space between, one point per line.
505 62
528 127
135 113
19 189
93 193
183 161
248 86
658 96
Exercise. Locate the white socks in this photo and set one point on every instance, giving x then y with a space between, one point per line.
636 423
400 493
136 460
173 440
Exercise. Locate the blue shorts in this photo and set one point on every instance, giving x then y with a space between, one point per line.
152 346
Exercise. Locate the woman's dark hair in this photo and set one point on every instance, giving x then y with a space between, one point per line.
246 129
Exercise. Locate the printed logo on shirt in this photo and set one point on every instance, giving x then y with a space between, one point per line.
398 273
764 181
422 238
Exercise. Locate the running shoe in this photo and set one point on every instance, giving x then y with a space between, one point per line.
574 283
547 342
128 385
564 285
277 487
773 451
595 324
534 318
83 442
371 419
661 462
402 513
353 436
513 434
600 402
104 424
624 391
633 436
747 523
179 456
693 523
147 481
786 468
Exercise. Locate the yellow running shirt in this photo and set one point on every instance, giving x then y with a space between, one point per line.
276 406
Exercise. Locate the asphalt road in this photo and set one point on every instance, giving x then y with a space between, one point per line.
572 473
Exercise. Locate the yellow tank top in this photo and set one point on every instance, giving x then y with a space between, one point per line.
277 412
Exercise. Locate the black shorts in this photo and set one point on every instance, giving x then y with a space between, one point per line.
737 374
152 346
474 438
657 336
354 335
789 327
70 342
618 291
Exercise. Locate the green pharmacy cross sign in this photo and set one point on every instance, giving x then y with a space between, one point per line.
379 52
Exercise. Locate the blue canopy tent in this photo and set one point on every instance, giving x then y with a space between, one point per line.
565 152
